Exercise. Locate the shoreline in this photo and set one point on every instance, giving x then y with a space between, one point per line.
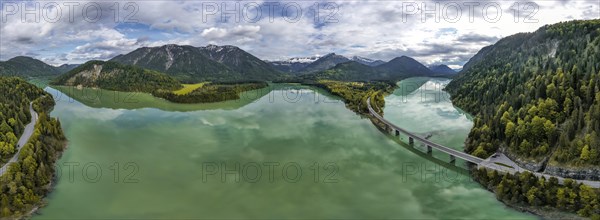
50 188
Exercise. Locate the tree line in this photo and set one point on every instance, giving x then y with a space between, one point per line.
210 92
27 181
526 189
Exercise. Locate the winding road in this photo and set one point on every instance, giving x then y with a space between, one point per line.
498 162
23 140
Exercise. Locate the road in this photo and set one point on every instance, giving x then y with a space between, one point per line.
495 162
499 161
23 140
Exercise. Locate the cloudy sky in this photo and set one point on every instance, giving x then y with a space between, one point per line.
432 32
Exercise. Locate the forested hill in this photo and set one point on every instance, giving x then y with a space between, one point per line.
537 96
27 181
27 67
118 77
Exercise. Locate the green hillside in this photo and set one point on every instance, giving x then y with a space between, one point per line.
117 77
537 96
27 67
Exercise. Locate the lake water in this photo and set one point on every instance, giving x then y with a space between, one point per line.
290 152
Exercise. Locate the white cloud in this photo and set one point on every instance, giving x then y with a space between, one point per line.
369 28
214 32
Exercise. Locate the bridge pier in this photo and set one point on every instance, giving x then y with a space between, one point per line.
397 133
411 141
429 150
452 159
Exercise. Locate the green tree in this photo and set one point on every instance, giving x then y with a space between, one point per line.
531 195
585 153
510 129
6 148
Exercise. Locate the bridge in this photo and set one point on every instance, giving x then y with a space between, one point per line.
412 137
500 162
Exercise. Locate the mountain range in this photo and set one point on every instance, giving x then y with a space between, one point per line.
293 65
396 69
367 61
300 65
189 64
325 62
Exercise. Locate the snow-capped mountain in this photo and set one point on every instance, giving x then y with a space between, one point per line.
319 63
295 64
303 59
367 61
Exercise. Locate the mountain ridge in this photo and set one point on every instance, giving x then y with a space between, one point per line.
442 69
196 64
325 62
396 69
406 66
27 67
183 62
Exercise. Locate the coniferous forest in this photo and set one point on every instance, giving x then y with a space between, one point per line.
28 180
536 95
